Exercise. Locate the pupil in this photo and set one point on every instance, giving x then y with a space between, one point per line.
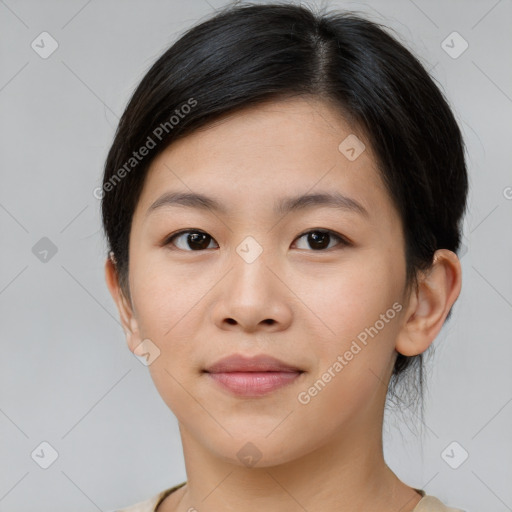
196 240
318 240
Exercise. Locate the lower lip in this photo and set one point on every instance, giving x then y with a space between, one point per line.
254 383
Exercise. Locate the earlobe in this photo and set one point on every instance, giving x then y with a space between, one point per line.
430 304
128 320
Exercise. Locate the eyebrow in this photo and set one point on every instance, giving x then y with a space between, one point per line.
282 207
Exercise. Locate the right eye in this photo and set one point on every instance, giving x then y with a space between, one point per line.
190 240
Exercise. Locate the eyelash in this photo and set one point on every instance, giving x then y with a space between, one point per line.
342 241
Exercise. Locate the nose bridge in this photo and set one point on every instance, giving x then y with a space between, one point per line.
250 295
251 279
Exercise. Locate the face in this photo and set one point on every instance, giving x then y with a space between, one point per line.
317 284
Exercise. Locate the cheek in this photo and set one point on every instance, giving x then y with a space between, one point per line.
164 297
355 355
354 362
168 310
347 300
167 306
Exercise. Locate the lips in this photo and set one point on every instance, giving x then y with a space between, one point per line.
252 376
260 363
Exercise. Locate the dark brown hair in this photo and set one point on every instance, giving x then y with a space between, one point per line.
247 54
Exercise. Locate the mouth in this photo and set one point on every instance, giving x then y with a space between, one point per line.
252 376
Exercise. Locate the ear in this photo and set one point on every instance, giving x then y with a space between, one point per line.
429 306
125 309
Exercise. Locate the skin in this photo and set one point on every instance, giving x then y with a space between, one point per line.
301 305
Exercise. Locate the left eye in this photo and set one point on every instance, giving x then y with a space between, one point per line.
321 239
194 240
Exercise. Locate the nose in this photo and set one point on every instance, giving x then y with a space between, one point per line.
251 298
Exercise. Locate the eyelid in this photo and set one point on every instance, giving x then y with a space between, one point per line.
343 241
168 240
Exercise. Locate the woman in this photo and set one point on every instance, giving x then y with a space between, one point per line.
282 203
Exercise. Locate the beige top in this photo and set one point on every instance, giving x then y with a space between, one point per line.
426 504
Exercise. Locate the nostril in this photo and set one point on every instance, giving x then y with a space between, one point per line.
231 321
269 321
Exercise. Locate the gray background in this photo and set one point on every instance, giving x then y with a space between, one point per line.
66 375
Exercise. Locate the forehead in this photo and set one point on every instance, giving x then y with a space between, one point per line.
272 150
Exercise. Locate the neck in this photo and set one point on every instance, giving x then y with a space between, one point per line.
347 473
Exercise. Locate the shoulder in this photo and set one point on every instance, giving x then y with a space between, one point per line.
432 504
150 504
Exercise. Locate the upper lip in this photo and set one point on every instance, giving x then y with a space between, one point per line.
258 363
